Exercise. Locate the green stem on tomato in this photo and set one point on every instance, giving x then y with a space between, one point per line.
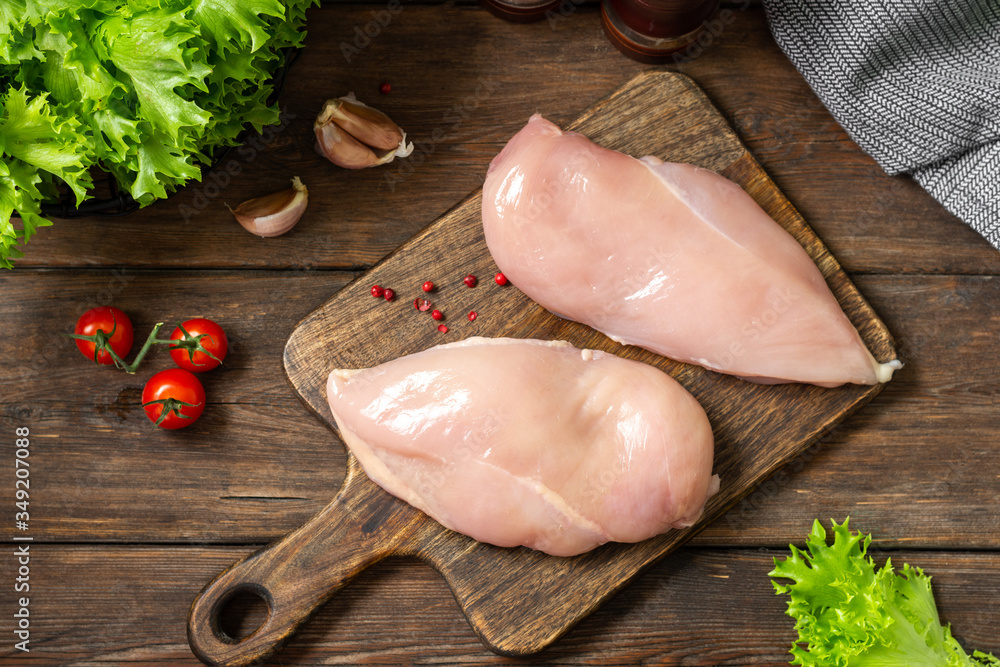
150 341
192 344
102 343
170 405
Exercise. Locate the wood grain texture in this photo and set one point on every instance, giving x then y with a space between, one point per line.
258 464
518 600
127 605
129 523
296 575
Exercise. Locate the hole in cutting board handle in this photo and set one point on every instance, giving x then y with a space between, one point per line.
241 612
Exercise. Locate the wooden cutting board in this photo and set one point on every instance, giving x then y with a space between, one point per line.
519 601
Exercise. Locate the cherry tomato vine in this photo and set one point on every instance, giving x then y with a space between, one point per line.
173 398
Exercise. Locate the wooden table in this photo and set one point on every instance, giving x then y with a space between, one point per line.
129 523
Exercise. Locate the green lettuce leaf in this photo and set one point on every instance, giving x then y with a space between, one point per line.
848 613
233 24
36 134
160 164
38 145
18 192
16 36
158 50
147 90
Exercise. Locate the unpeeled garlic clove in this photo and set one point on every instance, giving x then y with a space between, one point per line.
369 126
273 214
353 135
345 151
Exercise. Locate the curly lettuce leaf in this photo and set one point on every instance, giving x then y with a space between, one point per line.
238 93
18 192
147 90
35 133
161 164
38 145
850 614
158 51
289 33
70 51
75 75
233 24
16 35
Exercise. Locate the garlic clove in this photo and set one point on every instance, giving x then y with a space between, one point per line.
273 214
344 150
369 126
345 119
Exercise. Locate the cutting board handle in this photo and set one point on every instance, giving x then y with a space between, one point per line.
297 574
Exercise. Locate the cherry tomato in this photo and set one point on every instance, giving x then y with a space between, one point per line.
100 322
173 398
202 348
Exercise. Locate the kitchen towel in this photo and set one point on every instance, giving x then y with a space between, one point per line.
916 83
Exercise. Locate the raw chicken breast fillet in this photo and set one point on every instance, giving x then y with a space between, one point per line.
670 257
525 442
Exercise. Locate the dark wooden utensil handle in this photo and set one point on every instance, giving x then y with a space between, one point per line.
301 571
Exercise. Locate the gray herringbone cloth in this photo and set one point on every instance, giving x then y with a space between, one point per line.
916 83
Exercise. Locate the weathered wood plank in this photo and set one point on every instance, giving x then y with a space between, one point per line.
922 444
258 464
105 482
128 605
462 83
258 310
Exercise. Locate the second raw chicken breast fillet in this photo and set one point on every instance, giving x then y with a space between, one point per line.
670 257
526 442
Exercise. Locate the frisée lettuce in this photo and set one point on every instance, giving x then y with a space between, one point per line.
849 614
147 90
